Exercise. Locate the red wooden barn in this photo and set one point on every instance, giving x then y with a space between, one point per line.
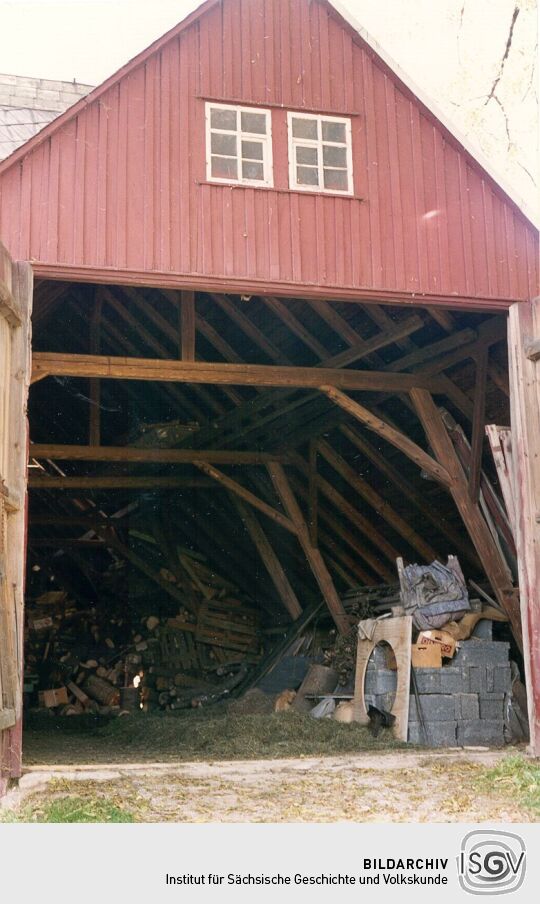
258 228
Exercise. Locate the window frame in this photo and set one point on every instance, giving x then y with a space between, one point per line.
318 143
265 141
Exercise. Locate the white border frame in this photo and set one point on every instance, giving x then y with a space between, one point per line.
265 140
307 142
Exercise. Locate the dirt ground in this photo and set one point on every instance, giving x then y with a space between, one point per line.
399 786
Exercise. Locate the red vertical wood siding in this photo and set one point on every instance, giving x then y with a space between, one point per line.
121 183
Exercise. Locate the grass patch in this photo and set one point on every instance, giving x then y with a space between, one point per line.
69 809
517 777
206 734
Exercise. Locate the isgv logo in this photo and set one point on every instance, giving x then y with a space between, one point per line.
491 862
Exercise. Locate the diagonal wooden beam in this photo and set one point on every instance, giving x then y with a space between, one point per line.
314 557
269 558
479 423
247 496
377 503
390 434
187 325
494 566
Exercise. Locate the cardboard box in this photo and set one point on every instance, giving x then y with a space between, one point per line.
426 657
55 697
441 638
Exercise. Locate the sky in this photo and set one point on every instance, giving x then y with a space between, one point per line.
452 49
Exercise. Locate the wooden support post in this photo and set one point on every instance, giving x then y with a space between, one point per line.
479 423
489 554
270 560
94 431
187 325
313 493
523 336
314 557
393 436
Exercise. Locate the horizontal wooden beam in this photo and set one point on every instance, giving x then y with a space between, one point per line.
52 364
145 455
393 436
8 305
46 482
172 280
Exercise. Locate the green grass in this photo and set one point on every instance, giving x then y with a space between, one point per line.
69 809
517 777
205 734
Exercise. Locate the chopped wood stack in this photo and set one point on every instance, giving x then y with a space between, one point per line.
80 659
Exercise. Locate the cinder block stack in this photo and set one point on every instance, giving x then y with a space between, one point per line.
461 703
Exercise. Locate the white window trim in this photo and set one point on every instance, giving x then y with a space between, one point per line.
265 140
318 143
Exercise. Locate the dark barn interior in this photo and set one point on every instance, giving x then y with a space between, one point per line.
186 533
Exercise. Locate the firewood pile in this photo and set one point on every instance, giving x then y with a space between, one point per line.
114 658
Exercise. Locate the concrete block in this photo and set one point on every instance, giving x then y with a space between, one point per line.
439 734
428 681
487 732
380 681
477 678
481 652
433 708
453 680
385 701
466 706
502 679
483 629
492 707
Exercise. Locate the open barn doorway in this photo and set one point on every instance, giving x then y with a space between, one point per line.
188 528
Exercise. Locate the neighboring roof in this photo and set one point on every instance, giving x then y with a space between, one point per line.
29 104
340 10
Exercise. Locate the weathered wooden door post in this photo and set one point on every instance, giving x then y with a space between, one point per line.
524 362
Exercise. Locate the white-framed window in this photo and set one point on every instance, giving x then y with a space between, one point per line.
320 153
238 144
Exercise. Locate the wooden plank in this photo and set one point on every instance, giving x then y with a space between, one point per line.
57 452
94 427
524 324
500 441
119 368
46 482
479 422
187 325
8 306
492 562
247 496
393 436
270 560
313 494
314 557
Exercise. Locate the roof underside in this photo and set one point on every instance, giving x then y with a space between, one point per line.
374 503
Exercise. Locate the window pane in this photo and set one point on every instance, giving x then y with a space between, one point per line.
223 119
224 168
307 155
333 131
307 175
252 150
336 179
304 128
333 156
254 122
224 144
251 170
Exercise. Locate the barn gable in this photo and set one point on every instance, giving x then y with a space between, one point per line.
119 183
